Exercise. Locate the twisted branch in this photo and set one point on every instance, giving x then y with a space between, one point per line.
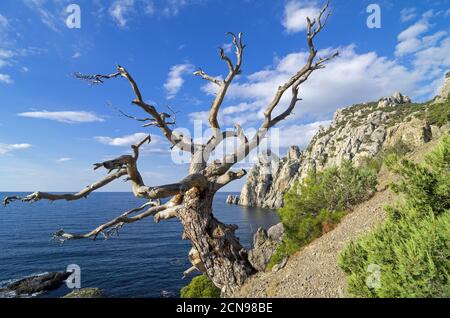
112 227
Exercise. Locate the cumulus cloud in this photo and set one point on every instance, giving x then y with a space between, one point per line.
6 79
127 140
68 117
175 79
6 148
367 77
155 146
296 12
354 77
300 135
412 39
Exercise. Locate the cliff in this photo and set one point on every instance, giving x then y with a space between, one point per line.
356 133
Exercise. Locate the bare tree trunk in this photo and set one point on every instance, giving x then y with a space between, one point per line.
222 256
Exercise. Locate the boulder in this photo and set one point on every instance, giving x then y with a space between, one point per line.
264 245
396 99
37 284
86 293
233 199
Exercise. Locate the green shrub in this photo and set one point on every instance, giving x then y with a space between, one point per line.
315 206
400 148
200 287
333 189
438 114
286 248
412 247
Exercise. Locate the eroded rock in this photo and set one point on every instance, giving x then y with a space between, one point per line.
264 245
356 133
37 284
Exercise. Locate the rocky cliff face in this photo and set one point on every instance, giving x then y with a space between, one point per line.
357 132
445 90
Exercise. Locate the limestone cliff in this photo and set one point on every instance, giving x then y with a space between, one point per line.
445 90
357 132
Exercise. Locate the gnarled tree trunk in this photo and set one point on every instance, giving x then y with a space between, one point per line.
222 256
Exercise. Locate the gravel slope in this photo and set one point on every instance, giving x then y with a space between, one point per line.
313 271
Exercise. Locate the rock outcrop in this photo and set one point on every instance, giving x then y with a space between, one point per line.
86 293
356 133
270 177
264 245
36 284
445 90
233 199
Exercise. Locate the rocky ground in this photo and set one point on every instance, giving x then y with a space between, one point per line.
313 271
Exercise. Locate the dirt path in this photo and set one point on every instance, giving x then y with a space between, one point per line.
313 271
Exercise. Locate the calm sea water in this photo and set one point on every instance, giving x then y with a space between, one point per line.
146 260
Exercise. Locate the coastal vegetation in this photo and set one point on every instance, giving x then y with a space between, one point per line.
316 205
200 287
411 249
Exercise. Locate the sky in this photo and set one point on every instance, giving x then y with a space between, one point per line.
53 127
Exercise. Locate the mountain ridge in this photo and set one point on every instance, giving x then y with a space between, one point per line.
356 133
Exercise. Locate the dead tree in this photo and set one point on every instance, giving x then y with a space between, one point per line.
215 249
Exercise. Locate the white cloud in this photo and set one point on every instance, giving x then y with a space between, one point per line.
46 16
3 21
353 77
127 140
300 135
69 117
5 78
173 7
407 14
119 11
367 77
76 55
175 78
64 159
296 12
5 148
5 57
412 39
157 145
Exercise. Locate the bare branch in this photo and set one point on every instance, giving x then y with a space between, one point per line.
112 227
95 79
159 118
189 271
37 196
233 70
303 74
207 77
219 168
228 177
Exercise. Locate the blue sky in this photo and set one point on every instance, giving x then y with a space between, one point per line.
53 127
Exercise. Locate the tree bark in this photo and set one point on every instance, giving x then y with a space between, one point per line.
221 254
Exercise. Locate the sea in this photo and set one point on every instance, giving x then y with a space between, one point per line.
146 260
